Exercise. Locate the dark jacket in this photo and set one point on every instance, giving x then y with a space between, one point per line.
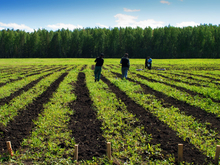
99 61
125 62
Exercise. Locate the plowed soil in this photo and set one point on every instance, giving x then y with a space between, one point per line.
198 113
86 128
6 100
180 88
28 75
20 127
160 132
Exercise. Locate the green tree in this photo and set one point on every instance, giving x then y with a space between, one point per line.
168 42
33 46
147 42
113 42
99 40
65 40
55 46
129 40
138 43
88 44
76 43
216 34
184 44
157 43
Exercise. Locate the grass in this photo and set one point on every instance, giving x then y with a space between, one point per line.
161 63
43 145
186 126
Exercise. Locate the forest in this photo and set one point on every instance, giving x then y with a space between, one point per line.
201 41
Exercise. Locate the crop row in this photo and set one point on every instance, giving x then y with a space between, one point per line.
20 83
182 91
183 95
11 72
186 126
51 135
8 111
25 108
207 90
191 80
19 75
141 127
129 140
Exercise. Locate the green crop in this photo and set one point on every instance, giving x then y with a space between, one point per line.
51 127
50 140
186 126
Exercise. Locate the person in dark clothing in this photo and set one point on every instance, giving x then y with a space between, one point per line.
125 64
148 62
98 67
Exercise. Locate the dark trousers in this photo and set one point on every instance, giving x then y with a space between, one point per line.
124 71
97 72
149 66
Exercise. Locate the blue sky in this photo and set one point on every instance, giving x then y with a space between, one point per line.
30 15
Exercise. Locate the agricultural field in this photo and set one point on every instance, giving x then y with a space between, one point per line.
48 106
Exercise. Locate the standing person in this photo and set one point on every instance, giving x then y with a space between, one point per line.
148 62
98 67
125 65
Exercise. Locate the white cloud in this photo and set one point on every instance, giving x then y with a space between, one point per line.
165 2
129 10
65 26
15 27
125 20
150 22
102 26
184 24
130 21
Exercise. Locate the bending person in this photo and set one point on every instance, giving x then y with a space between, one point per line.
148 62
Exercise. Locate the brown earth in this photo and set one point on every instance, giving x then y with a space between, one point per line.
160 132
196 84
22 124
6 100
86 128
198 113
28 75
180 88
212 79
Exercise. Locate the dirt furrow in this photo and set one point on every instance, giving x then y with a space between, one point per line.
20 127
160 132
32 74
189 83
179 88
83 67
6 100
187 75
198 113
86 128
10 81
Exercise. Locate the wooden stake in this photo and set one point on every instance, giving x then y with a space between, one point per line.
217 154
109 150
9 148
180 153
76 152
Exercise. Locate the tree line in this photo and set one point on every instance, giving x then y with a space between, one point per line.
201 41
